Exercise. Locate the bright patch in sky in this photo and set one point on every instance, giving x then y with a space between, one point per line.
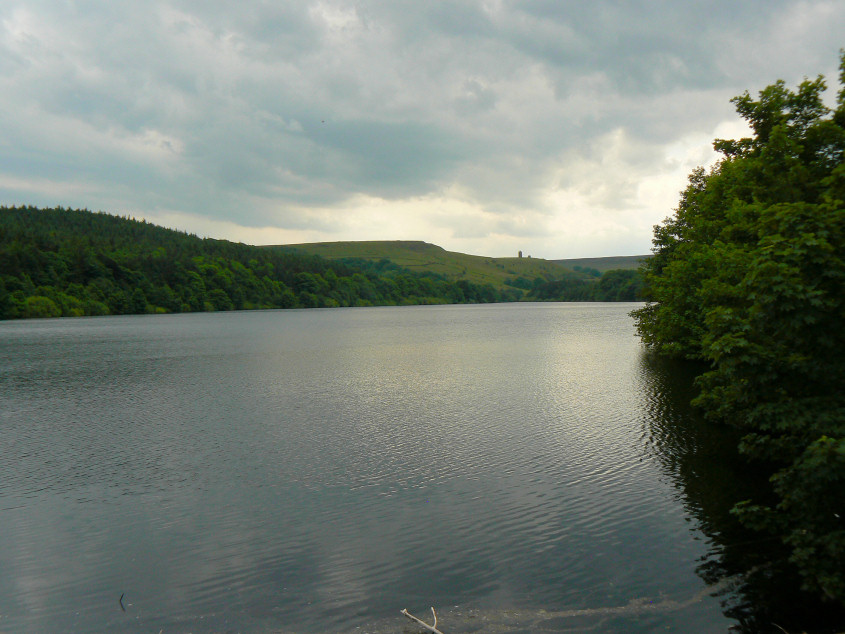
562 129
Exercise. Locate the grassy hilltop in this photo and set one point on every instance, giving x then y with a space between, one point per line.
618 262
425 257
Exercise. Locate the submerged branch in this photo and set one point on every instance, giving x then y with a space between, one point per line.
431 628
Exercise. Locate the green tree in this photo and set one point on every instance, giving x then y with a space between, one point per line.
749 276
40 306
138 302
219 300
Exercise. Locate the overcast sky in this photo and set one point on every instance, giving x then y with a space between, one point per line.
559 128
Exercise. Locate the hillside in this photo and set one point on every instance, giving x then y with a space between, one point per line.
624 262
425 257
65 262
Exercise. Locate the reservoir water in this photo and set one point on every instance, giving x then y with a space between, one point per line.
520 467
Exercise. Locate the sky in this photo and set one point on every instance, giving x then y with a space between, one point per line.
558 128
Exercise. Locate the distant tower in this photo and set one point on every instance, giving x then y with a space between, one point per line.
520 254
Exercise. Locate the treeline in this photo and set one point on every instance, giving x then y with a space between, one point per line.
613 286
66 262
749 276
481 293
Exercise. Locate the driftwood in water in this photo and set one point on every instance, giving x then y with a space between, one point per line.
431 628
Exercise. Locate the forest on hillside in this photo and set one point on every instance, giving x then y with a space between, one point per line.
617 285
749 276
70 262
66 262
569 286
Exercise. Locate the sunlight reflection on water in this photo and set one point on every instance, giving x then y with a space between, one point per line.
319 470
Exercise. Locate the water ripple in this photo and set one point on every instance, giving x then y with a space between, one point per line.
318 470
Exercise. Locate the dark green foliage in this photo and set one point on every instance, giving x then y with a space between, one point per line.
521 282
588 270
617 285
749 276
64 262
423 288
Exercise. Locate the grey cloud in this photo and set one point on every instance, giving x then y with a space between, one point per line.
476 98
404 156
308 104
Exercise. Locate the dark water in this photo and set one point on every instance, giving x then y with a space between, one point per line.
519 467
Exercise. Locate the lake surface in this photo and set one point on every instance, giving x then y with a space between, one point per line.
520 467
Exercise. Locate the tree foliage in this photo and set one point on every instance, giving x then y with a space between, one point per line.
64 262
748 275
616 285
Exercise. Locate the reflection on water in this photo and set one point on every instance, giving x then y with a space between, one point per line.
702 462
517 466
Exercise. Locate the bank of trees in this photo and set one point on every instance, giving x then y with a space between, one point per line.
70 262
617 285
749 276
65 262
